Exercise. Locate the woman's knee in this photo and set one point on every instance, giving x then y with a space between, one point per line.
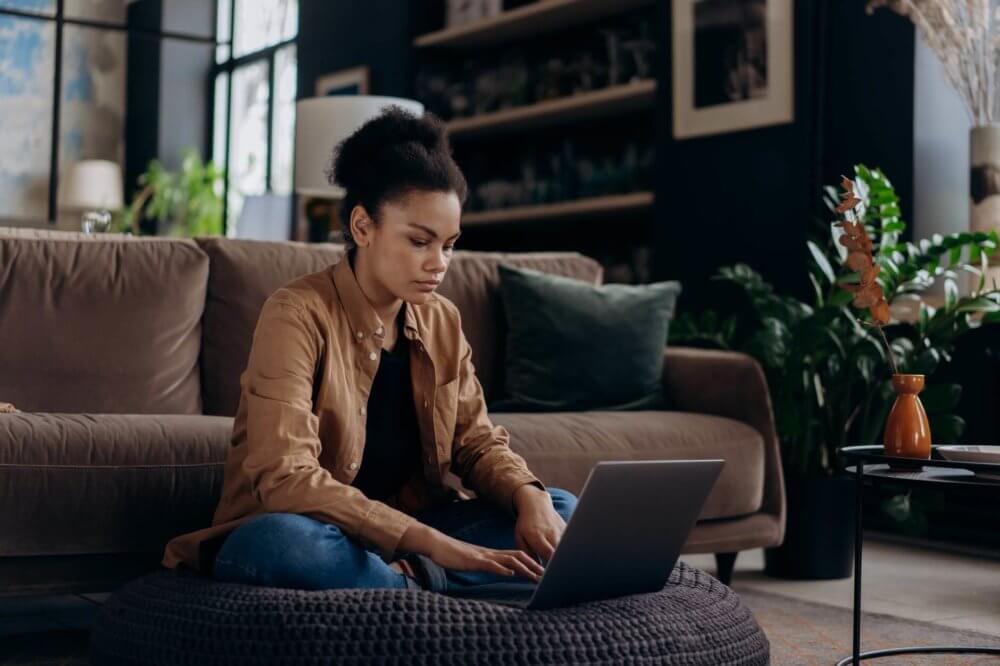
287 550
563 501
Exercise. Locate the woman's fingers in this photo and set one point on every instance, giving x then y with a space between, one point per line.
493 566
518 565
529 562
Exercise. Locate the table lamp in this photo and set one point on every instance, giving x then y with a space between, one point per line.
94 188
320 124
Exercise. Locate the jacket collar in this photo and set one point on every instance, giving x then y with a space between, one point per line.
360 314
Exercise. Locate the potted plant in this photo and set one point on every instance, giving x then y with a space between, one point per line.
185 203
828 369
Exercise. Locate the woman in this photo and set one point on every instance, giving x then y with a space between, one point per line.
360 394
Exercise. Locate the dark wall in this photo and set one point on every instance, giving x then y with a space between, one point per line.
753 196
350 33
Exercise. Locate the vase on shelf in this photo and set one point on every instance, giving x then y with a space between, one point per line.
984 178
907 431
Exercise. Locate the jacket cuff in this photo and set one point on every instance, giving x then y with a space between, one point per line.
502 493
383 527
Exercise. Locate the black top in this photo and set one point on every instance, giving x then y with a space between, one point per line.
392 436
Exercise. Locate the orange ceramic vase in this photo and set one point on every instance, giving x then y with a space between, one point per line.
907 432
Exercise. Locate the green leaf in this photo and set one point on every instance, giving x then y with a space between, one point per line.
947 428
950 294
941 397
955 255
822 262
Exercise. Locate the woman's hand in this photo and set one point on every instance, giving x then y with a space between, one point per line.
539 528
456 555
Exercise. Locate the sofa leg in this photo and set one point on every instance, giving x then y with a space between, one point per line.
724 563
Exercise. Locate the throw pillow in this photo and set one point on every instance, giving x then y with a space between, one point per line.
575 346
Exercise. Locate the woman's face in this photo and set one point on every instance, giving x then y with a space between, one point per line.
408 251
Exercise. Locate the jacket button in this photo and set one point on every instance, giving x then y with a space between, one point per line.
360 335
372 356
353 466
379 331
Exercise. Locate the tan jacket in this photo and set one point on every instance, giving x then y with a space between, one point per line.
299 433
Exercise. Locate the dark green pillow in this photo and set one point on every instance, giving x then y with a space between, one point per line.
573 346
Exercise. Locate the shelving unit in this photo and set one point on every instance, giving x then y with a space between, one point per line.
527 21
600 117
616 204
582 106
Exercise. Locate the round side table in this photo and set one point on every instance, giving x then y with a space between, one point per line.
872 465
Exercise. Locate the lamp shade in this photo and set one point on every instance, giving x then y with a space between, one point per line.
91 185
323 122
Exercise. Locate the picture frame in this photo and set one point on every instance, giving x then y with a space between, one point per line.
353 81
732 65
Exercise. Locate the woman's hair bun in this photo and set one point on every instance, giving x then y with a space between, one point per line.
390 155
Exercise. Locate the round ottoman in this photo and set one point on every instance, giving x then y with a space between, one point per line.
179 617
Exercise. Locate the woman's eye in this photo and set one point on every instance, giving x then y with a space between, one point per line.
449 248
417 242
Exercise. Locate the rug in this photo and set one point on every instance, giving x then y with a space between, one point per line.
806 634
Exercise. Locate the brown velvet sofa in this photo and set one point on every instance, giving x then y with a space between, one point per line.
124 354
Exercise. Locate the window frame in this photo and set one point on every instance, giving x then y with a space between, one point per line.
229 67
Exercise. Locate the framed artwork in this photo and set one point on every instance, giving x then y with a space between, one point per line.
732 65
353 81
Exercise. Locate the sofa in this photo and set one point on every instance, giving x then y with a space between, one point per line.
122 356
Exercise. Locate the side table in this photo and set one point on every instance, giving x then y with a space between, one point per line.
871 464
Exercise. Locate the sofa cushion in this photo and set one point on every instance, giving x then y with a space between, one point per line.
100 323
106 483
243 274
472 283
561 447
573 346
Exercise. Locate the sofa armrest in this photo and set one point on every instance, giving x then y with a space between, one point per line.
732 385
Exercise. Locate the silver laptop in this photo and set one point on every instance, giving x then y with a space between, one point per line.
624 537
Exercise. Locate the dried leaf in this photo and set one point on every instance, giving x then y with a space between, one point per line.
859 261
880 312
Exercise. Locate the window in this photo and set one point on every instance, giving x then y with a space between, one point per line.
254 81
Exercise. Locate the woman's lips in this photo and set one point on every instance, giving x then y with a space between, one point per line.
428 285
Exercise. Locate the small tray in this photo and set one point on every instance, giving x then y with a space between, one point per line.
876 454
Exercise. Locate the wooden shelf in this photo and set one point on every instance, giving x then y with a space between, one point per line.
536 18
582 106
592 207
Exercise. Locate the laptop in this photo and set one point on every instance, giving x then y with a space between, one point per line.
625 536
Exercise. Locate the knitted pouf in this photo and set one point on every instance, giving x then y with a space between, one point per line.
178 617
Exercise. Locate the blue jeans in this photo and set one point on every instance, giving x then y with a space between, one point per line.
294 551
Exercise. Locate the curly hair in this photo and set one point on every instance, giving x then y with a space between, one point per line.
390 155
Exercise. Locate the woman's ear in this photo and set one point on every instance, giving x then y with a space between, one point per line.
361 226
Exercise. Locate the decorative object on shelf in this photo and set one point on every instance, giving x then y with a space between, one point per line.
353 81
185 203
830 376
322 123
92 188
588 60
732 65
966 39
461 12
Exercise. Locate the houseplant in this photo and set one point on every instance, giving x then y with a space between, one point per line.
829 373
965 36
183 203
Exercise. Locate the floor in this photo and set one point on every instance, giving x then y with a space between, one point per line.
957 591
